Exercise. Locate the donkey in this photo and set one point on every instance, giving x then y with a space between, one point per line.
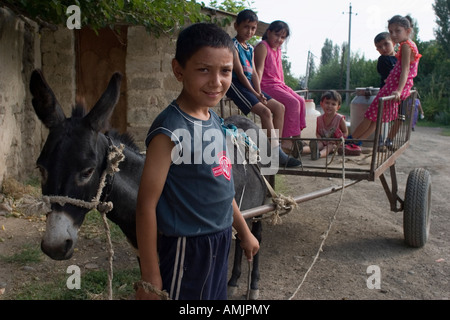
74 157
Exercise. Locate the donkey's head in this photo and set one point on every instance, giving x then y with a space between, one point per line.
72 160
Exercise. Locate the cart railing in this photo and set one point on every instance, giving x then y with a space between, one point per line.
398 131
369 166
382 156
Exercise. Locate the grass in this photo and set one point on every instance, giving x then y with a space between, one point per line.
425 123
93 286
93 227
93 282
27 255
280 184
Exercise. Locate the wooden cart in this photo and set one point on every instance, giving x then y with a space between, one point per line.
416 203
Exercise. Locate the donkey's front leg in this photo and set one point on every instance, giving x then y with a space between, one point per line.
254 288
236 272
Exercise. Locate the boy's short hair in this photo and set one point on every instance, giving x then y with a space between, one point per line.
382 36
332 95
199 35
246 15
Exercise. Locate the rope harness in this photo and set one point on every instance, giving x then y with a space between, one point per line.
284 204
114 157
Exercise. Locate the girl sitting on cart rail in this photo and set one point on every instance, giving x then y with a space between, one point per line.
398 83
329 125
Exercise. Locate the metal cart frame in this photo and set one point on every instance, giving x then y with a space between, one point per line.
417 201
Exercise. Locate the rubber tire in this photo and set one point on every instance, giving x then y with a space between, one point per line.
417 208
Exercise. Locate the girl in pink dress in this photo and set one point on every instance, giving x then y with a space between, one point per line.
270 70
399 81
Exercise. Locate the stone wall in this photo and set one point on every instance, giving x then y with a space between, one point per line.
20 132
58 65
150 81
23 48
150 84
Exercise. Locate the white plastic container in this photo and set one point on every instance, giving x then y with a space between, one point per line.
311 119
359 106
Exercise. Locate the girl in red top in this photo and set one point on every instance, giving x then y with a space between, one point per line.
330 124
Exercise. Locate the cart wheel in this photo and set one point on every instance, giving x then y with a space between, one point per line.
417 208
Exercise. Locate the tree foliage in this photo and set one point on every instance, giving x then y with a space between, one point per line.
332 72
432 81
158 16
327 53
232 6
442 11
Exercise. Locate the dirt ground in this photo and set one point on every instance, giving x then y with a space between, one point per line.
365 233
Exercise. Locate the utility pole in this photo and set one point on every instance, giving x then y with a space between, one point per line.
307 70
309 63
347 82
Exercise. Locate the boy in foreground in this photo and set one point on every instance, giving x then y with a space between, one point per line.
187 201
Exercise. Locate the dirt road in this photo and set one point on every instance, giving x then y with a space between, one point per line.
365 234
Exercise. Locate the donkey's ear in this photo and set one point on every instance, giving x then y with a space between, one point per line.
98 117
44 101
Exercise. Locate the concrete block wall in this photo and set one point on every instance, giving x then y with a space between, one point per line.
24 48
20 132
151 85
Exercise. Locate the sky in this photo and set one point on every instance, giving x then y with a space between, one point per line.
311 22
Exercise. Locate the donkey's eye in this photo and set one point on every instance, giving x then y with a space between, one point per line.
87 174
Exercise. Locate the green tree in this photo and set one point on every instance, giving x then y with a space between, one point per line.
433 78
232 6
332 71
442 11
158 16
289 78
327 52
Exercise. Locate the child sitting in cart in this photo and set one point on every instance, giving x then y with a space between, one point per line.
398 83
331 124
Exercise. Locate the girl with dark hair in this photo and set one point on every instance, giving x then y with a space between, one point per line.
398 83
270 70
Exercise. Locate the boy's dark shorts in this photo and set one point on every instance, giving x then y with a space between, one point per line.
242 97
195 268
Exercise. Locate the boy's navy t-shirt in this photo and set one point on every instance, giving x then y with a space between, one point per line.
384 66
199 190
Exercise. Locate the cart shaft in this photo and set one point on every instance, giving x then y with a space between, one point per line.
257 211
